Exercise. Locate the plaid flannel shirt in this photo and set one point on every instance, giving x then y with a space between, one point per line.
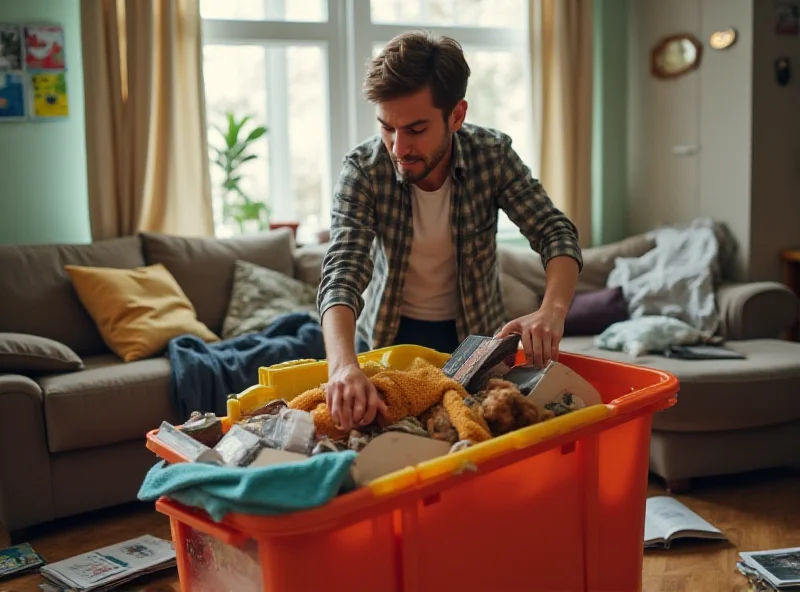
371 233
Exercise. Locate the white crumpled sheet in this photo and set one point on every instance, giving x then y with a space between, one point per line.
679 276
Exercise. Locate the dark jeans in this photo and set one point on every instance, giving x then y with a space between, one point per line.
439 335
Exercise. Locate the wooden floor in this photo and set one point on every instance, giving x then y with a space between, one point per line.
757 511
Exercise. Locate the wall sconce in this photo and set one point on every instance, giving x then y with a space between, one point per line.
722 39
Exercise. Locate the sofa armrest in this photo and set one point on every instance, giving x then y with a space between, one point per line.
756 310
26 491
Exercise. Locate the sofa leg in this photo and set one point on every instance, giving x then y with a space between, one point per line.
678 486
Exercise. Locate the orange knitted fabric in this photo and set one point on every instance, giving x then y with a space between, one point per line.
469 424
408 392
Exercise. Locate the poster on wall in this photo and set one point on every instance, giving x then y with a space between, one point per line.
44 48
787 18
10 47
49 96
12 96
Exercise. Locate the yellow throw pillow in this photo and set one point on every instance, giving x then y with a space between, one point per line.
137 311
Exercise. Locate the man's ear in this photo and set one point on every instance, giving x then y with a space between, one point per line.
457 116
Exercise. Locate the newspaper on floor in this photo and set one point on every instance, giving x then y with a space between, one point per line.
108 567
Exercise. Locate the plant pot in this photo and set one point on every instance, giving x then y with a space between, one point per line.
292 225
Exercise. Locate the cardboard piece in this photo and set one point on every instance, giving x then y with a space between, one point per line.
557 380
270 456
392 451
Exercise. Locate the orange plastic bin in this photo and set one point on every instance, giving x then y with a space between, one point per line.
558 506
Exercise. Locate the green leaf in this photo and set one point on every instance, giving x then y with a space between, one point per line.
247 158
256 134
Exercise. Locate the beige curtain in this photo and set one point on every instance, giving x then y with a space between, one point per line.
561 59
145 118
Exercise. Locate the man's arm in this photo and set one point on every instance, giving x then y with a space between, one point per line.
548 230
346 270
347 266
555 238
561 281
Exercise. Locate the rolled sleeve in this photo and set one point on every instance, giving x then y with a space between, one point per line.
347 266
548 230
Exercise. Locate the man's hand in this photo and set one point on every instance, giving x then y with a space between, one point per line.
352 398
541 334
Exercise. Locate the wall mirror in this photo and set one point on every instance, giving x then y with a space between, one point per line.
675 56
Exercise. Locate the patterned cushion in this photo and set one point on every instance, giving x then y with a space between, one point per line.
260 295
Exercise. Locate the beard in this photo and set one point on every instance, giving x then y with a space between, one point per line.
429 162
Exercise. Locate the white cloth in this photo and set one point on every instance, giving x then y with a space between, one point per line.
430 292
679 276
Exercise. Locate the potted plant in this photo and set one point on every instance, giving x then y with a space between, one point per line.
237 206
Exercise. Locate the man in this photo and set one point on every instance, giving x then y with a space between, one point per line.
414 218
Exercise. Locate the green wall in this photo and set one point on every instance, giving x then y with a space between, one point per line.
43 195
609 147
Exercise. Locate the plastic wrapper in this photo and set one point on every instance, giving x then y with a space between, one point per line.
203 427
239 446
289 429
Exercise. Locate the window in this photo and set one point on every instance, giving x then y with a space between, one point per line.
296 67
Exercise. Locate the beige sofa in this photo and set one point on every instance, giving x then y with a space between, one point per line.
72 439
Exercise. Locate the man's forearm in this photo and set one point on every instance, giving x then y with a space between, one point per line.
562 279
338 329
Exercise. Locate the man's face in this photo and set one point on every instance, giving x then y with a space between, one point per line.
416 134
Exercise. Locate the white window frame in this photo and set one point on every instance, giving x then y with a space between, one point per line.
347 36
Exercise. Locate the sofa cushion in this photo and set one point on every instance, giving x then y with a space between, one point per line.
260 295
110 401
203 267
308 263
593 312
137 310
518 299
525 264
37 296
21 353
760 390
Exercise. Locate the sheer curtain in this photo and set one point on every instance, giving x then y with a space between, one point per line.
561 61
145 118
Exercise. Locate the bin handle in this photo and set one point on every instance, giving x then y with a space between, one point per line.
219 531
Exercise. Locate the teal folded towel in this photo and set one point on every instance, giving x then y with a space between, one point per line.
270 490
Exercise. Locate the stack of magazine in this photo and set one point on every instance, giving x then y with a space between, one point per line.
776 569
109 567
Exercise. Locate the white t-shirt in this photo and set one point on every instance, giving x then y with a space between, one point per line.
430 292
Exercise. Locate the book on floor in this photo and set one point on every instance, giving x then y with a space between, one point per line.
779 567
667 519
17 559
109 567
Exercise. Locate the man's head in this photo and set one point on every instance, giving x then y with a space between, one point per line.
418 83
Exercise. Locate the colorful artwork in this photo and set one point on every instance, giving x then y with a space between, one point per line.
44 48
12 96
49 95
10 47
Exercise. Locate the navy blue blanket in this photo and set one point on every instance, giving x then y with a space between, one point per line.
204 374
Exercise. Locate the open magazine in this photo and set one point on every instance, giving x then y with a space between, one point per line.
109 567
667 519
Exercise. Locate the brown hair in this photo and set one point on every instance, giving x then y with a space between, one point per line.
413 60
